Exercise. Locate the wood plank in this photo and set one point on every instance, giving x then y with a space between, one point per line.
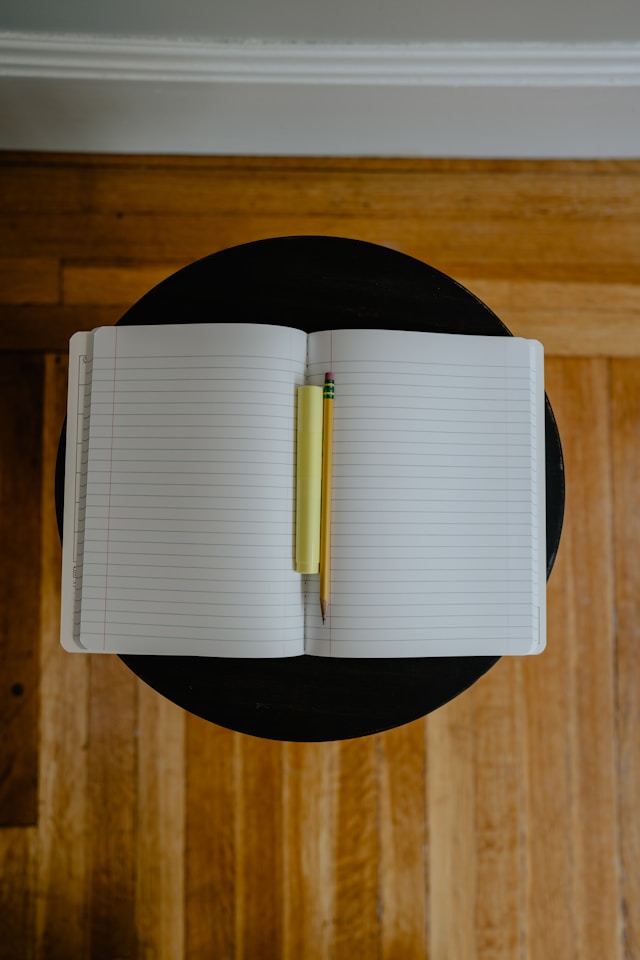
160 827
49 329
35 158
17 892
260 861
554 295
578 334
451 809
62 853
573 903
625 420
409 188
517 233
21 379
549 921
111 795
356 926
601 330
29 280
403 842
309 824
571 318
529 300
212 838
112 284
438 241
499 806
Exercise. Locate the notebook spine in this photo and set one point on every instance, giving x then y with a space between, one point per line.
535 545
83 407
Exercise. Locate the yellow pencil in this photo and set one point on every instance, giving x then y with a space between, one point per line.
325 516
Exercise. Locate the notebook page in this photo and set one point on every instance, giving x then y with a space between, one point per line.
436 542
190 492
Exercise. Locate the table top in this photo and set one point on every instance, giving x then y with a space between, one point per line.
319 283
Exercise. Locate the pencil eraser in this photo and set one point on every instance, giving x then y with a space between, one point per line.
328 376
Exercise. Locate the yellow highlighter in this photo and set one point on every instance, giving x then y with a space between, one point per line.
309 479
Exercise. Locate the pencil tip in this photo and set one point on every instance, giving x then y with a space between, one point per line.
323 609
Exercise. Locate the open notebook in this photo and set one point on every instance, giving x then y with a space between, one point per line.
179 525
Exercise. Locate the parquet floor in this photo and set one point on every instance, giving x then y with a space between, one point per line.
502 827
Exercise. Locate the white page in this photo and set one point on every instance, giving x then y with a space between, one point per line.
437 538
190 496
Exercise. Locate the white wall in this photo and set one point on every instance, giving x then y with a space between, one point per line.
335 21
471 78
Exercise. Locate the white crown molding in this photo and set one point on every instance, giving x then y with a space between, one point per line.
130 95
420 64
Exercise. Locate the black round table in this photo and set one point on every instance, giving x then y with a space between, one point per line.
318 283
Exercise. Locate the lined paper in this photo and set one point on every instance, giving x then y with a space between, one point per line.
190 492
181 472
437 544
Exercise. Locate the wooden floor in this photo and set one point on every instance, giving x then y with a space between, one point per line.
505 826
